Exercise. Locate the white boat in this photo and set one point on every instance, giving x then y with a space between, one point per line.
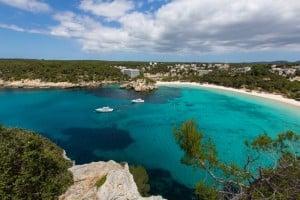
104 109
139 100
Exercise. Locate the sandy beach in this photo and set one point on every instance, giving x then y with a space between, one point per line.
275 97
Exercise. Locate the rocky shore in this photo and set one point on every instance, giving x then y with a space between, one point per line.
139 85
119 183
37 83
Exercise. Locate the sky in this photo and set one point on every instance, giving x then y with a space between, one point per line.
151 30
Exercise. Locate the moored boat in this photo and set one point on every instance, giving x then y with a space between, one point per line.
104 109
139 100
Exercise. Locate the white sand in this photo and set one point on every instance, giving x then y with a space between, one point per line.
275 97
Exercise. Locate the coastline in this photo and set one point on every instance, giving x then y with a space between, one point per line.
37 83
265 95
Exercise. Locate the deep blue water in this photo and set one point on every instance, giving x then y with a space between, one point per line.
142 133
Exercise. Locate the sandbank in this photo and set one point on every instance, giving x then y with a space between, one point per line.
271 96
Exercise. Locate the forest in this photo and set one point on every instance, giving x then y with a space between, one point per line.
59 71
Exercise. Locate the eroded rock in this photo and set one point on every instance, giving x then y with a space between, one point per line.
139 85
119 184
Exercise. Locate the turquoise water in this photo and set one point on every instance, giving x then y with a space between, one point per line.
142 133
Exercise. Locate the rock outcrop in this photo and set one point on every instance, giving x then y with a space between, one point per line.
119 184
140 85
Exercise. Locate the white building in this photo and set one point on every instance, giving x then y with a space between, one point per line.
284 71
243 69
297 67
132 73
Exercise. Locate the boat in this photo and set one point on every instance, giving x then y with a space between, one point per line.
104 109
139 100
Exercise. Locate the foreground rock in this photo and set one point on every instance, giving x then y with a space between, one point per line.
37 83
119 184
140 85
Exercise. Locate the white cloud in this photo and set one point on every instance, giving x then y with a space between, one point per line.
186 26
29 5
11 27
110 9
91 34
20 29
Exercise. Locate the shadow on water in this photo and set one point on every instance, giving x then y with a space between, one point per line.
163 95
162 183
83 142
113 92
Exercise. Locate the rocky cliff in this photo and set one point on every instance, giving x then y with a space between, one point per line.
139 85
119 184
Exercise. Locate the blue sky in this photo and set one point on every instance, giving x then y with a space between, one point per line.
151 30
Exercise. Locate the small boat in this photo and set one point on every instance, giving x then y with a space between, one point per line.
104 109
139 100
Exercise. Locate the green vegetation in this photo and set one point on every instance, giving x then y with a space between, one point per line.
141 179
281 181
58 71
159 68
101 181
31 166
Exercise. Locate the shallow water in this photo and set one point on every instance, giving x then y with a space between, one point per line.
142 133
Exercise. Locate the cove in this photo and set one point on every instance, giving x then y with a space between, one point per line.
142 133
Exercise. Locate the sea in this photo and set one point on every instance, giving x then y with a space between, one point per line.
141 133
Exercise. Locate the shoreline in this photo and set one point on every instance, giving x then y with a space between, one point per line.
39 84
275 97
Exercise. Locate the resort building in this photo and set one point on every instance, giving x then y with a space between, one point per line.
284 71
132 73
243 69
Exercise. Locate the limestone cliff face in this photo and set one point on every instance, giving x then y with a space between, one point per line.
119 184
140 85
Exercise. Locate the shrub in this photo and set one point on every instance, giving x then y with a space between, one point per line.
101 181
31 166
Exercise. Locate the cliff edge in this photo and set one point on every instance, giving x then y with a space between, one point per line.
119 184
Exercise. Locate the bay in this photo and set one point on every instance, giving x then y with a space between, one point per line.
142 133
